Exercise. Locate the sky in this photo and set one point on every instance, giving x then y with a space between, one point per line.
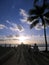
13 24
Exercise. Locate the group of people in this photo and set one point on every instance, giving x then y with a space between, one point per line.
35 47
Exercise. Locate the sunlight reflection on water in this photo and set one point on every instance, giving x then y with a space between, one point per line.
41 48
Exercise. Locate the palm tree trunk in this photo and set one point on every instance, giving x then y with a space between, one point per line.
45 34
45 37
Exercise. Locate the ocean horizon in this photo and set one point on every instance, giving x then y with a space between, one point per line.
40 46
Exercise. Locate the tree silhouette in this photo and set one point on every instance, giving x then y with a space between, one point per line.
39 12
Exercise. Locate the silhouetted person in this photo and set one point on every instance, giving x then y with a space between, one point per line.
35 48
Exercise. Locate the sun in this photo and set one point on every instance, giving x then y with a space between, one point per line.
22 39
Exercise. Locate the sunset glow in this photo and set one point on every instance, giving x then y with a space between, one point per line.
22 39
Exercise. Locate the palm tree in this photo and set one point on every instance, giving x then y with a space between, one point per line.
39 13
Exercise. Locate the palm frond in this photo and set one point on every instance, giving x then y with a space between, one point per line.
34 24
47 21
45 4
32 11
31 18
40 9
35 1
47 15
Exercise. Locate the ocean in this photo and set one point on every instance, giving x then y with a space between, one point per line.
42 48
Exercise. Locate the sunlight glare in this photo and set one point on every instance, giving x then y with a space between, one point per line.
22 39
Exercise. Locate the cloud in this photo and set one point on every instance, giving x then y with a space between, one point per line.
2 26
15 27
8 22
2 36
24 14
29 39
40 39
12 38
39 26
9 37
20 28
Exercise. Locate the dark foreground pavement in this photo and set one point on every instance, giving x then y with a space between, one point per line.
24 55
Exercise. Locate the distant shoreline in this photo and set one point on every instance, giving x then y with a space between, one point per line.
39 45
